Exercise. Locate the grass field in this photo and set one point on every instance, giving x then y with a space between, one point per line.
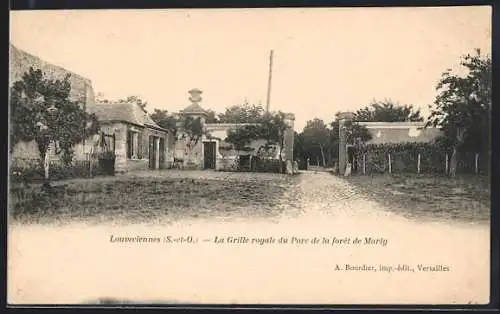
154 198
168 196
426 196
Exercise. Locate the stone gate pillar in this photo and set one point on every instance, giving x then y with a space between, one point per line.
288 142
195 111
343 117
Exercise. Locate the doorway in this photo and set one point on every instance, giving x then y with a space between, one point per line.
162 153
209 149
352 153
152 152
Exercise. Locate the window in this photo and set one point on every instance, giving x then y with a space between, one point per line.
134 144
139 145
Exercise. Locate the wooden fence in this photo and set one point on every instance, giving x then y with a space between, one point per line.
31 169
421 163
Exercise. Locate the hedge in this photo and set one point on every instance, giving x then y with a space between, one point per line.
267 165
404 158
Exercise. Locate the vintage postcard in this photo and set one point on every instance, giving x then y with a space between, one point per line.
250 156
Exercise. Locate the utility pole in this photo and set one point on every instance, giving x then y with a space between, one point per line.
269 82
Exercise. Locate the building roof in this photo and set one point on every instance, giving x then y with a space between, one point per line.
194 108
124 112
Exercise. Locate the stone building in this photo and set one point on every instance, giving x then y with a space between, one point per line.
212 152
137 141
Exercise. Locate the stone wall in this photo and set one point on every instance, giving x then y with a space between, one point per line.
192 158
21 61
81 89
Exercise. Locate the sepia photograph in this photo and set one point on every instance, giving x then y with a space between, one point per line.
250 156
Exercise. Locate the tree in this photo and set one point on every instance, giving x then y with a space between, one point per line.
273 128
41 110
462 106
129 99
165 120
387 111
243 114
135 100
356 134
300 151
191 131
316 132
211 117
241 136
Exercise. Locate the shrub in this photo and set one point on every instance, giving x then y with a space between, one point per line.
268 165
59 170
404 158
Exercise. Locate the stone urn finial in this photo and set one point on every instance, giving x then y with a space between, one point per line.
195 95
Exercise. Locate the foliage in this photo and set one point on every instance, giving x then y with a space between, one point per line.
356 133
404 158
211 116
270 127
316 133
387 111
34 172
241 136
129 99
462 107
300 151
135 100
319 140
244 113
165 120
267 165
193 129
273 127
40 110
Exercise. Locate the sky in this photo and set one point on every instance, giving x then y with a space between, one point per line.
325 59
